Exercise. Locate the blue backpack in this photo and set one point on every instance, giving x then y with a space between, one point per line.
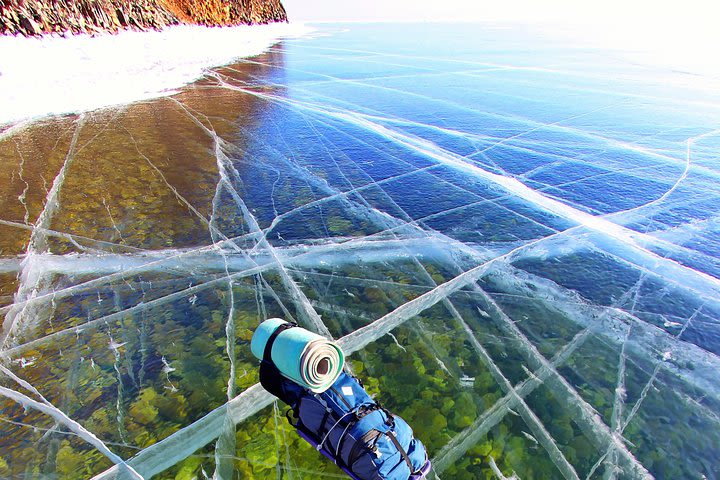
350 428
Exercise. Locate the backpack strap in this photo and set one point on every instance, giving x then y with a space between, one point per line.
326 416
321 444
390 422
367 441
360 412
394 440
270 377
271 340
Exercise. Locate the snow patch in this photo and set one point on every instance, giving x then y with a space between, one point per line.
56 75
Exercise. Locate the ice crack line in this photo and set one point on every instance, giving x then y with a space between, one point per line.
296 294
22 198
620 391
226 169
545 371
183 443
44 406
73 238
503 118
300 256
214 231
225 445
538 429
388 221
31 279
474 137
123 273
620 424
633 239
14 129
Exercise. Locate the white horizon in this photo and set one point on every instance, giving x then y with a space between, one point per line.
682 35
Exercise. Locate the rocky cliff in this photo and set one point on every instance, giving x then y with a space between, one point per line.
37 17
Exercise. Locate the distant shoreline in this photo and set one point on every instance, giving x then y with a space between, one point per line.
42 17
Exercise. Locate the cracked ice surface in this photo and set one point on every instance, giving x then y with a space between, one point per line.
516 244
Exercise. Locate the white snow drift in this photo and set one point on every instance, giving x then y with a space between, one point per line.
56 75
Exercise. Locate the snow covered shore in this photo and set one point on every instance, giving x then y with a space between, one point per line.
55 75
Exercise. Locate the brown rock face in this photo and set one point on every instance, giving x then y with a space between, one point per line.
37 17
219 12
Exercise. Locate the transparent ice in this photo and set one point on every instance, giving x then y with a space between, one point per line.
517 243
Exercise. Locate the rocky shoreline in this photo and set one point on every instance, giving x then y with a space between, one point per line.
39 17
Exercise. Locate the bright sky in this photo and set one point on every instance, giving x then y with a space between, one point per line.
684 33
502 10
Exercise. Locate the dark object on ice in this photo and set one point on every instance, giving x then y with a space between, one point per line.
348 427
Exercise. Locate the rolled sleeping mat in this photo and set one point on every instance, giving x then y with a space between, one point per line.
306 358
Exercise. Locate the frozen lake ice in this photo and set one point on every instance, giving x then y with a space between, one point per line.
516 240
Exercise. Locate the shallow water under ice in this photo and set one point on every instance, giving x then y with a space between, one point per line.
516 241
